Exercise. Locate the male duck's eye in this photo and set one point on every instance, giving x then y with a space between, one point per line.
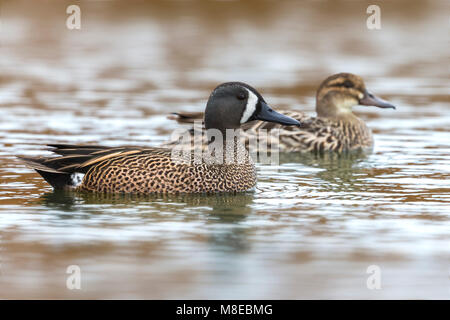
348 84
241 96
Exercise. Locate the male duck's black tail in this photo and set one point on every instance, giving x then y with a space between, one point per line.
58 171
58 180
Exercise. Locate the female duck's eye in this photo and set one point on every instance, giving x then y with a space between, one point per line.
348 84
241 96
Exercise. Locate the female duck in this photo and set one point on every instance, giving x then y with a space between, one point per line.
336 128
154 170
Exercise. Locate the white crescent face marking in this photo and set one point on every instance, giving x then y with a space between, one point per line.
77 178
250 107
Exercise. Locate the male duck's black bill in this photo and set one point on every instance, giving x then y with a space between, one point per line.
268 114
371 100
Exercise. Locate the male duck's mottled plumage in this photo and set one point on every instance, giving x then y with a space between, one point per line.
155 170
138 170
335 128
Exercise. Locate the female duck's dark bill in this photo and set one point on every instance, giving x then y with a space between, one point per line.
266 113
372 100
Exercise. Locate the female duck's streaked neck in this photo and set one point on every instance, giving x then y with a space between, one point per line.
335 107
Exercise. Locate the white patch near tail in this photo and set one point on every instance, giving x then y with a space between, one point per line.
250 108
77 178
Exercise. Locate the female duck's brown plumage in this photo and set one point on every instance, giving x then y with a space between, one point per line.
335 128
156 170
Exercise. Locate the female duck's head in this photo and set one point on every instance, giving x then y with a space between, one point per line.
232 104
340 92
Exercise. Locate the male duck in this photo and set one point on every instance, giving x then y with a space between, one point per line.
154 170
335 128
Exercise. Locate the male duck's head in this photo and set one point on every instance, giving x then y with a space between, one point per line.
232 104
340 92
